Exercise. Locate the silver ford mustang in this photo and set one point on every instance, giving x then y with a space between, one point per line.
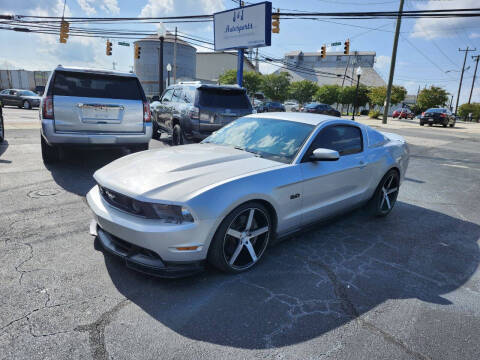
168 211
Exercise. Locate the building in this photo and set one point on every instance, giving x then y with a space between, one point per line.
333 68
210 65
23 79
146 67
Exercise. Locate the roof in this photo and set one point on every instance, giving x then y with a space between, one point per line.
95 71
169 37
306 118
335 53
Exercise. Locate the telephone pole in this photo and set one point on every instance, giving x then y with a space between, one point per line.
392 63
461 76
474 76
175 58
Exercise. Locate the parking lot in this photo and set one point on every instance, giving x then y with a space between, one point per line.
402 287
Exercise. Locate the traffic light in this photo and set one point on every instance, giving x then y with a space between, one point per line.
346 47
276 22
109 48
64 29
137 51
324 51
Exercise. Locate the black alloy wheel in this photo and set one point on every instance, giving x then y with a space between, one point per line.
386 194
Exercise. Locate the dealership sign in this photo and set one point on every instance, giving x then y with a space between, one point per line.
246 27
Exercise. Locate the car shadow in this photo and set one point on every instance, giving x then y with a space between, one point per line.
314 282
74 173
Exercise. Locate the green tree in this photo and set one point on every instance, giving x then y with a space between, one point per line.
303 90
328 94
378 94
251 80
465 109
276 86
433 96
348 95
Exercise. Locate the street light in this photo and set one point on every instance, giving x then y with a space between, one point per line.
161 35
359 73
169 68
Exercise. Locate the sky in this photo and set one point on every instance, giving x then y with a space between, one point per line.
428 51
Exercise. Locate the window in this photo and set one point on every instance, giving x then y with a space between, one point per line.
222 98
27 93
4 92
168 95
339 58
189 94
345 139
97 86
177 95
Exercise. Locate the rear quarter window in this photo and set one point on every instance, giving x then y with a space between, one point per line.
97 86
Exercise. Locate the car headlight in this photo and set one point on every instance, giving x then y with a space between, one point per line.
172 214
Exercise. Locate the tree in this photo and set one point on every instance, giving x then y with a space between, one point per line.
466 109
251 80
378 94
433 96
328 94
348 94
275 86
303 90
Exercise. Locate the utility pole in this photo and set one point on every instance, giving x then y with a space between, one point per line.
113 65
175 58
343 81
392 63
461 76
474 76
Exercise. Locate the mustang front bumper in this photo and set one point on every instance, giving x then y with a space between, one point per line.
149 245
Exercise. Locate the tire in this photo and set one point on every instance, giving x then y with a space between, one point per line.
232 245
379 205
177 136
430 124
138 148
27 105
2 128
155 130
452 125
421 124
50 154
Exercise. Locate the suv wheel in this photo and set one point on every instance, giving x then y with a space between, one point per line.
50 154
177 135
155 131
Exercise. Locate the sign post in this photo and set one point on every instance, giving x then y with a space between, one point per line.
243 28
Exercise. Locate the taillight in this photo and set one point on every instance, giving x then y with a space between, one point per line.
47 110
423 113
194 113
147 116
443 115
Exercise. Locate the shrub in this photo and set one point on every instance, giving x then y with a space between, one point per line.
374 114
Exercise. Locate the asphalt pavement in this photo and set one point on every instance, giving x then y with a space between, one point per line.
402 287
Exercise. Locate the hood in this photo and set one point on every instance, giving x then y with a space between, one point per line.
173 174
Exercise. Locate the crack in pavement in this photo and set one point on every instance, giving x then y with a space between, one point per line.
96 331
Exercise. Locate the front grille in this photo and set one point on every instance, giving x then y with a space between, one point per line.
122 202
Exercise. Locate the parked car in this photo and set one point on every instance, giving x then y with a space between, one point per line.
261 177
85 107
291 105
319 108
21 98
441 116
39 89
404 113
2 127
192 111
271 106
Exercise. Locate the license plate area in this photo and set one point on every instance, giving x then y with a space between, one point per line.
100 113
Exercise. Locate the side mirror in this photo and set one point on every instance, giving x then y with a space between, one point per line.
165 100
321 154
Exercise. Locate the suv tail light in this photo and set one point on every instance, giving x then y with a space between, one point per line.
194 113
423 113
47 110
147 116
443 115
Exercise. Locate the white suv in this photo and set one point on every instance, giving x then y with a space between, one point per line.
83 107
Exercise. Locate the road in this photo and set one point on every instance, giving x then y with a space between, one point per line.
403 287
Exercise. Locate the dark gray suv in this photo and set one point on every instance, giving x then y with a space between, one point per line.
192 111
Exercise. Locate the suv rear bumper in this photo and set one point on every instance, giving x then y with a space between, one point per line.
81 138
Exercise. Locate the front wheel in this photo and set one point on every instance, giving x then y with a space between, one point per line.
452 125
177 135
386 194
421 124
2 128
241 239
26 105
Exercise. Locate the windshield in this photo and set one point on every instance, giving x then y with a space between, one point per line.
278 140
436 110
27 93
312 105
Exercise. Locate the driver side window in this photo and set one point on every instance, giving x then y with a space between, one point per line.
346 139
167 97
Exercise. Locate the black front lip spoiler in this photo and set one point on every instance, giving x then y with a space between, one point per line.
141 262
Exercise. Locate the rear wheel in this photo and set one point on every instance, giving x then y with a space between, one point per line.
241 238
2 128
386 194
177 135
50 154
421 123
452 125
155 131
430 124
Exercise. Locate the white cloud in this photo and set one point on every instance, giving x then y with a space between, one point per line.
444 28
89 7
266 68
474 35
110 6
86 6
382 62
157 8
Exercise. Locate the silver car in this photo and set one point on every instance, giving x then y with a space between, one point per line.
85 107
261 177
